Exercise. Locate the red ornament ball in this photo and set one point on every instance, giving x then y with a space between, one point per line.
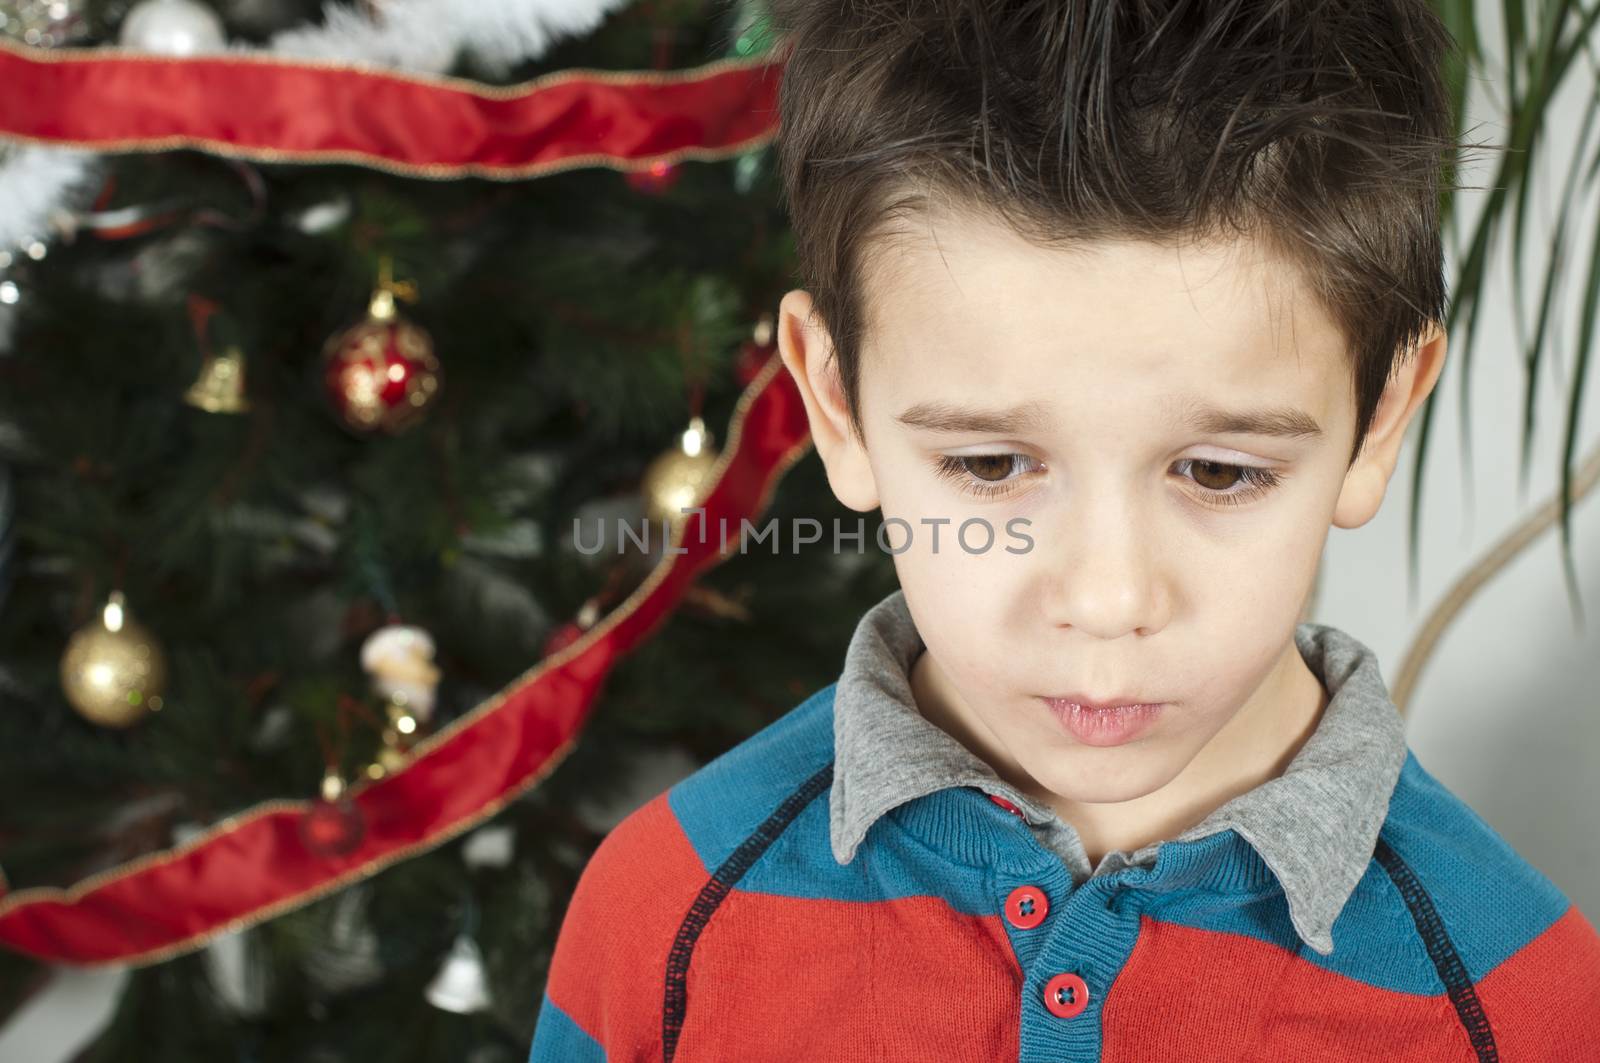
333 828
381 375
655 178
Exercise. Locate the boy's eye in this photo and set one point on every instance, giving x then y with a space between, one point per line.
981 474
1220 482
989 467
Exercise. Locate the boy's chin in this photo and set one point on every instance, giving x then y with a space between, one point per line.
1088 775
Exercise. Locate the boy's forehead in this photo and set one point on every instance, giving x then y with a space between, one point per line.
958 305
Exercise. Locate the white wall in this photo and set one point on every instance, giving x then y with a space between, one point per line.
1507 711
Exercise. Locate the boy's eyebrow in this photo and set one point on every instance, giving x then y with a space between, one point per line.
1286 421
947 417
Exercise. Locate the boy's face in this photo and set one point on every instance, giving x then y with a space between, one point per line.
1153 575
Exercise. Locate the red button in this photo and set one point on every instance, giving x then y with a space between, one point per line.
1007 805
1066 995
1026 907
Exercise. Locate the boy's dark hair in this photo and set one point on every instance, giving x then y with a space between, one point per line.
1323 128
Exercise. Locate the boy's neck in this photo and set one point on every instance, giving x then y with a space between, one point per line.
1257 744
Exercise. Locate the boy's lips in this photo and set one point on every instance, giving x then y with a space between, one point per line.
1110 724
1084 701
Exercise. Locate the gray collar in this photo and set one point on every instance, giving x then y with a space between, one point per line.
1315 826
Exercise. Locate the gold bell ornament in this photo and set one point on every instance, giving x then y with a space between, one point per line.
113 670
220 386
399 658
681 478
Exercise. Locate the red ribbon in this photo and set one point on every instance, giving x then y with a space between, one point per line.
245 105
256 865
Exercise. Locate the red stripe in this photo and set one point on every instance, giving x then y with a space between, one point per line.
1242 998
784 978
608 972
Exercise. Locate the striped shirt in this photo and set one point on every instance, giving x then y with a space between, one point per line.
852 884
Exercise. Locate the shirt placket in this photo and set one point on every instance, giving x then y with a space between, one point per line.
1070 941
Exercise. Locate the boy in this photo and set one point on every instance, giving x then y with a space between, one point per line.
1159 284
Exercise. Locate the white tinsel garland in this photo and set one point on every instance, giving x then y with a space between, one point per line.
429 35
39 186
33 181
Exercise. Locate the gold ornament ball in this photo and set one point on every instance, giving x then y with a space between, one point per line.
681 478
113 670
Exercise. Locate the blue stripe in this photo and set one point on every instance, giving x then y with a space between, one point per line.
557 1039
726 801
1490 899
1374 940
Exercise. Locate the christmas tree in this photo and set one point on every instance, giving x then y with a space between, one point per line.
303 460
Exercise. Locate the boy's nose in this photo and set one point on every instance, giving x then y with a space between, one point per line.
1104 576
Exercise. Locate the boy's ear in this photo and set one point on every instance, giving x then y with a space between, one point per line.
1368 478
807 351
